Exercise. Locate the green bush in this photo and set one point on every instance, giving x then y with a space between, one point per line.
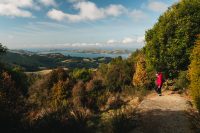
116 74
81 74
182 82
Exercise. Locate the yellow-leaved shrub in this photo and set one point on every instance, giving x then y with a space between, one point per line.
140 75
194 74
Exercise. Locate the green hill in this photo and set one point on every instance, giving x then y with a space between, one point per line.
33 62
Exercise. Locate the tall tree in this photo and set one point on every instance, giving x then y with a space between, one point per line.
2 49
169 42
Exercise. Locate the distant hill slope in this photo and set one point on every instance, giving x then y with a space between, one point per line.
29 62
33 62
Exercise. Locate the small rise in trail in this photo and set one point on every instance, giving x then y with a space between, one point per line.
163 114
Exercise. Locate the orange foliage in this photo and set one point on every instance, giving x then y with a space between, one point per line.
140 75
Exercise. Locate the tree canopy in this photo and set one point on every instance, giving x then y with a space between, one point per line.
2 49
169 42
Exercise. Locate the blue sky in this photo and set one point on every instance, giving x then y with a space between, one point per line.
78 23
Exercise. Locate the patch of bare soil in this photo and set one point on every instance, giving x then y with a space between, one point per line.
164 114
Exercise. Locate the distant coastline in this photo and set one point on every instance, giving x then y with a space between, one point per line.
97 51
91 53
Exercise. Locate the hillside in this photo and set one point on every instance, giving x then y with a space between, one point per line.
31 61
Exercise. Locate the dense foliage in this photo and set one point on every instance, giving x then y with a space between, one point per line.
140 75
169 42
82 74
117 74
62 100
2 49
194 73
13 90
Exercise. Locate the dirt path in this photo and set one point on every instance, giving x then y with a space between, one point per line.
163 114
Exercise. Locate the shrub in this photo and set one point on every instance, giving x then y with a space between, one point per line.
9 91
95 91
21 79
194 73
78 120
101 100
116 74
60 92
41 93
53 77
12 104
120 122
33 77
140 75
2 49
94 85
128 90
63 120
81 74
78 93
114 101
182 81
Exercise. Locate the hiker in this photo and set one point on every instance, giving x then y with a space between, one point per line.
159 82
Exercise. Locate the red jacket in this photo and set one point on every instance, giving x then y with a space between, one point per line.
159 80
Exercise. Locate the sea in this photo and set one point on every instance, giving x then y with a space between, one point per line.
85 55
72 53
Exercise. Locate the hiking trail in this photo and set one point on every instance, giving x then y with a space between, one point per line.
163 114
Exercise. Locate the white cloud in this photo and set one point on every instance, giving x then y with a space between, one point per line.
72 1
78 44
138 15
135 40
56 15
87 11
14 8
18 3
157 6
84 44
20 8
127 40
111 41
140 39
115 10
48 2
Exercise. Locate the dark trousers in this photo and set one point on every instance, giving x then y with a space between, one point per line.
158 89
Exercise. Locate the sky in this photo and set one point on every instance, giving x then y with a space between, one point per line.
78 23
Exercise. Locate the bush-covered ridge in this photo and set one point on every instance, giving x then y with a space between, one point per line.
35 62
